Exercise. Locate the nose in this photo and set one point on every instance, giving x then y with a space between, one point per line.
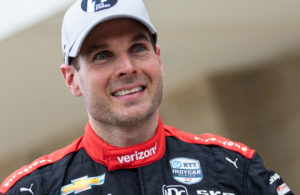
126 66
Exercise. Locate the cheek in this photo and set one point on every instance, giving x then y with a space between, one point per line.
155 72
98 82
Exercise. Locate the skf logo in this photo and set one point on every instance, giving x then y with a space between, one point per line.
273 178
174 190
82 184
212 192
97 5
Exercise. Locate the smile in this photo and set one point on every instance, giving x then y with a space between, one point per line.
129 91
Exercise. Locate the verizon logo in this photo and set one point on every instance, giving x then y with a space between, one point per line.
138 155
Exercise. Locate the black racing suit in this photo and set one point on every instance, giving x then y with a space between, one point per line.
172 162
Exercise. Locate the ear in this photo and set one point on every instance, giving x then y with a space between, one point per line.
71 79
158 55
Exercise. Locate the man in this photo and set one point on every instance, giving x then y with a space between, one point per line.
111 60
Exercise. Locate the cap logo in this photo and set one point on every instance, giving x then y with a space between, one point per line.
97 5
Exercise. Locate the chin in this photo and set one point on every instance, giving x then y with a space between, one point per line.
135 116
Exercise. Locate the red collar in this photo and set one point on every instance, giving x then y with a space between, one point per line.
123 158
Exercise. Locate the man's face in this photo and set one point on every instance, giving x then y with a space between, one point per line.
120 75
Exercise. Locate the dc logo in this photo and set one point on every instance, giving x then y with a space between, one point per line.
97 5
174 190
177 164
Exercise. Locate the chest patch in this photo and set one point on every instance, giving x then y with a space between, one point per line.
82 184
186 170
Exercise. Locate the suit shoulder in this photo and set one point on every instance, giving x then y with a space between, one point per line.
31 168
210 139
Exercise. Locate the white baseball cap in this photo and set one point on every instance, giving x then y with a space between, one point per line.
84 15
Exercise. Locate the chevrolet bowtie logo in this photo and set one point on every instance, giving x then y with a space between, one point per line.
82 184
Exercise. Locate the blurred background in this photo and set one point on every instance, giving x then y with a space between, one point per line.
231 68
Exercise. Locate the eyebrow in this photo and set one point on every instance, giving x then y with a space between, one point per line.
97 47
140 37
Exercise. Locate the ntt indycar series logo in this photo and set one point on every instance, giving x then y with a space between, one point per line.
186 170
97 5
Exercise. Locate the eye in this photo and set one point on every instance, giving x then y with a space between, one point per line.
103 55
138 48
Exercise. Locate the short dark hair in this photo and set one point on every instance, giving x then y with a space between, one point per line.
74 62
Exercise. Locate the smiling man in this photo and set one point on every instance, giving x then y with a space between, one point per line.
119 74
112 61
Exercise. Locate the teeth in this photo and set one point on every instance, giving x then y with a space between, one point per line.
126 92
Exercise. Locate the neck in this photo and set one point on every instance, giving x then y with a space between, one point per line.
127 135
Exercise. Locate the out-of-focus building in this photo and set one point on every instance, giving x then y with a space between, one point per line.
231 68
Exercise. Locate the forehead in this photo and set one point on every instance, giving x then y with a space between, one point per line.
114 28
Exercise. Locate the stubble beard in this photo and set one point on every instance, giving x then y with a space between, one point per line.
107 116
